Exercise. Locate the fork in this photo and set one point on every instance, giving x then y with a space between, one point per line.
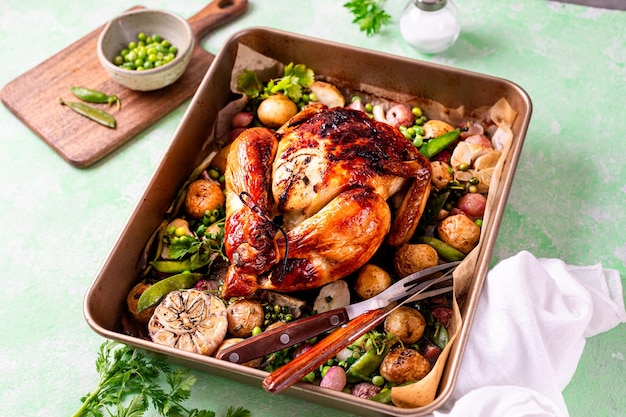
300 330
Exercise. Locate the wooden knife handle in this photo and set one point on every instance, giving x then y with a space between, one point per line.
284 336
326 349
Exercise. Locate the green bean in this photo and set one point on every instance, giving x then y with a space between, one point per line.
438 144
97 115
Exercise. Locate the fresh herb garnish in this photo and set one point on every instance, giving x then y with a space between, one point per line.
368 14
294 80
128 377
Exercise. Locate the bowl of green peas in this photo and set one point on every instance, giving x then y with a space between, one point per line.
146 49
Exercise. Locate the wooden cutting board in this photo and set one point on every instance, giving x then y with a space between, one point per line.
34 96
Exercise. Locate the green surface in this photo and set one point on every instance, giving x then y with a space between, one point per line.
59 222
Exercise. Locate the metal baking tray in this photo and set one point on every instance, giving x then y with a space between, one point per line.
104 302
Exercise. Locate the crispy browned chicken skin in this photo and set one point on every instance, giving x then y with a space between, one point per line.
325 177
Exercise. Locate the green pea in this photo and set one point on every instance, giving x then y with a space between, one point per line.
257 331
417 112
214 174
146 53
378 380
310 377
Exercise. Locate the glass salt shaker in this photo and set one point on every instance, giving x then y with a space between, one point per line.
431 26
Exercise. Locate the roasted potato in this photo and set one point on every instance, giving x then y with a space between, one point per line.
434 128
371 280
404 365
460 232
220 159
275 110
327 94
243 316
132 300
406 324
202 196
441 176
413 257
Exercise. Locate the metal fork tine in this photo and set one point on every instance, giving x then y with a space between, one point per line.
398 289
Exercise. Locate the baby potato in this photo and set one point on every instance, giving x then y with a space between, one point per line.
243 316
406 323
402 365
413 257
441 176
460 232
132 300
434 128
203 195
327 94
371 280
275 110
220 159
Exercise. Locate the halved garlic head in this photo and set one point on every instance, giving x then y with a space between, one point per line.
190 320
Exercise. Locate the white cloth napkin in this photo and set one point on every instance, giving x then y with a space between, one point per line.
528 335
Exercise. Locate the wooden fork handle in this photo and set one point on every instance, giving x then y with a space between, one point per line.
287 375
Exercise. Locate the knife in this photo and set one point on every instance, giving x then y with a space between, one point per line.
300 330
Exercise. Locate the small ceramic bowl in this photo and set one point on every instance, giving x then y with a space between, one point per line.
123 29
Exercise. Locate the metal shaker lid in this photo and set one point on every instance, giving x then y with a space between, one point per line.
430 5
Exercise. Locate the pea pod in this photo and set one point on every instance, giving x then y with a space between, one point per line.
438 144
384 396
153 295
433 206
95 96
175 267
366 365
444 250
97 115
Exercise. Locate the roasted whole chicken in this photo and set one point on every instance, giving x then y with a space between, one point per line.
308 204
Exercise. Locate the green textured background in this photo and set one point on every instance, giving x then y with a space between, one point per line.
568 199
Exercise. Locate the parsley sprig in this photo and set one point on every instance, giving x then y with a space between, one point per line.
130 383
368 14
295 79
